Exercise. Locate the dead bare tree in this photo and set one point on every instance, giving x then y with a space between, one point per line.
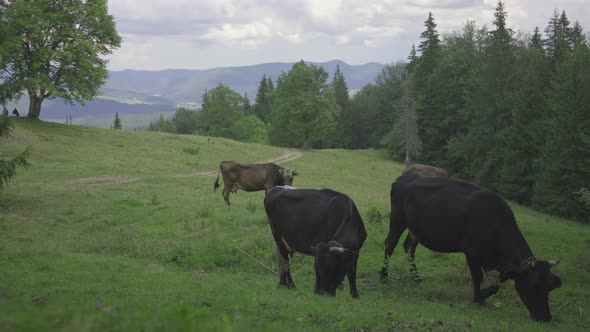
409 124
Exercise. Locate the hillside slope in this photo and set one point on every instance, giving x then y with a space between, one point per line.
163 252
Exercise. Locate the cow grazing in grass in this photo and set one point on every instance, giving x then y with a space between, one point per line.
410 243
447 215
251 177
322 223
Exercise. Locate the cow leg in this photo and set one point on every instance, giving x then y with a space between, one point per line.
284 272
396 228
479 295
226 191
410 245
351 273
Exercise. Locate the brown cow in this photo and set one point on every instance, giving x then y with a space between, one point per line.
410 243
252 177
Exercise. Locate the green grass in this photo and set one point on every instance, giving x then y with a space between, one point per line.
161 252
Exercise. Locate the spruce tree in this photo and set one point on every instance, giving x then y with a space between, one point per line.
264 98
564 165
117 122
537 40
343 120
424 91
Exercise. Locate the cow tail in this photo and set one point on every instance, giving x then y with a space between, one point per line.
216 184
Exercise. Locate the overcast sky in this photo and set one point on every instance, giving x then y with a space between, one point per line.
201 34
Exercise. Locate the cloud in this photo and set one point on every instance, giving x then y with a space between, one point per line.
279 30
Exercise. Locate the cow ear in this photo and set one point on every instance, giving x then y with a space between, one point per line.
282 171
295 173
552 263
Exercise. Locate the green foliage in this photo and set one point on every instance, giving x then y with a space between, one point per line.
264 99
249 129
304 109
163 125
222 107
186 121
8 167
564 164
374 215
55 49
117 122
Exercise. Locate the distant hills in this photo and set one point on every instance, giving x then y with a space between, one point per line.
132 92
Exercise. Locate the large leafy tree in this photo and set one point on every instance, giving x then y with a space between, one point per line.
304 109
54 48
222 107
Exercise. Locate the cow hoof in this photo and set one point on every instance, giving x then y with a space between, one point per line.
355 295
383 274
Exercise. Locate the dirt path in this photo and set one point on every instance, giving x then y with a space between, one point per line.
288 155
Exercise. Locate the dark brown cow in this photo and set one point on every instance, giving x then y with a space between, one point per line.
251 177
410 243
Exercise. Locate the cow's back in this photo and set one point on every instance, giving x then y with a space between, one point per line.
447 215
319 213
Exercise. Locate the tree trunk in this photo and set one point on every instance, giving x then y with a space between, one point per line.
34 106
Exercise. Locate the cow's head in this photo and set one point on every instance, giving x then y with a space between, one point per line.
287 175
533 281
330 266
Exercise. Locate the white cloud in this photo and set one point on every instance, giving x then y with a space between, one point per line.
192 33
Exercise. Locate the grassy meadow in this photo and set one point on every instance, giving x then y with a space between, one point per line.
116 230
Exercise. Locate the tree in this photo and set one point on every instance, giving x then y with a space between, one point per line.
186 121
264 99
163 125
249 129
54 49
537 40
342 96
8 167
564 165
222 107
304 109
117 122
557 43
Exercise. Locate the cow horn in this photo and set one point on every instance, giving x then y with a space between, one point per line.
552 263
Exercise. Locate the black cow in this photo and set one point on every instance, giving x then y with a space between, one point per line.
15 112
321 223
251 177
447 215
410 243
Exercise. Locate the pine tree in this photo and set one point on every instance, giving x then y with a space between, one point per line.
564 166
247 106
537 40
117 122
523 138
343 121
426 108
577 36
264 99
8 167
557 41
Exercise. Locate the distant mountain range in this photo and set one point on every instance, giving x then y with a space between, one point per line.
144 91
